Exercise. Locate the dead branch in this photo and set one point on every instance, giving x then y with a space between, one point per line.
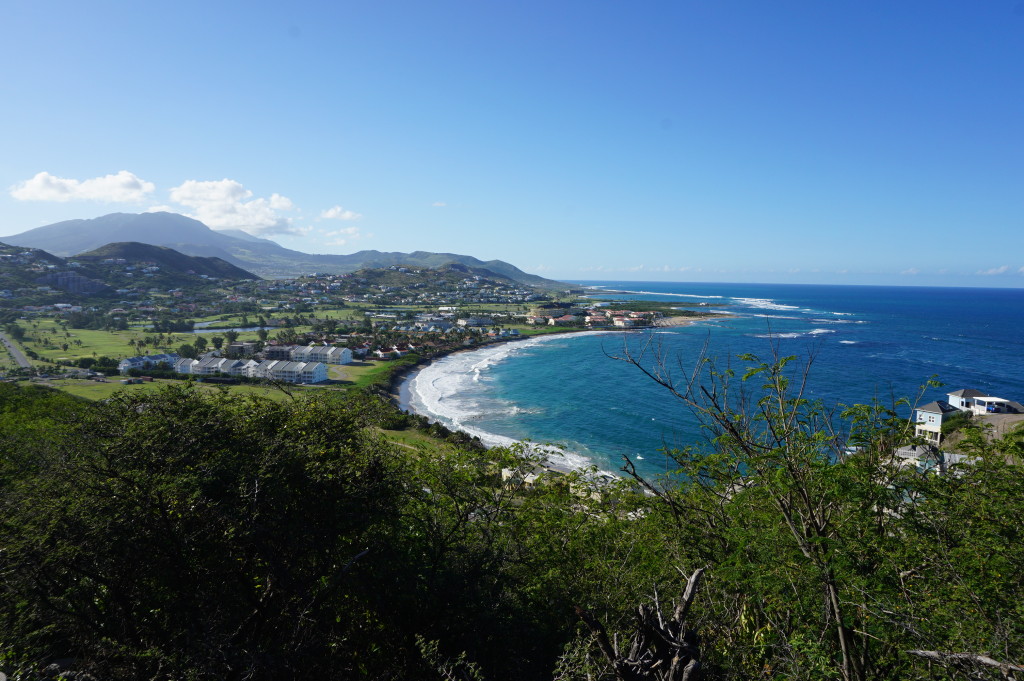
659 650
967 659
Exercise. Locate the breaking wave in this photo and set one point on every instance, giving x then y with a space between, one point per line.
453 391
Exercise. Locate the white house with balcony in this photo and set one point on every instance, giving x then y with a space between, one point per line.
964 398
981 403
995 405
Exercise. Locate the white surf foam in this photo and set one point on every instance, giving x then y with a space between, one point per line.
795 334
765 304
661 293
447 390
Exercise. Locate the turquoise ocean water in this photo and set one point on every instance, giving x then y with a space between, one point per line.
866 342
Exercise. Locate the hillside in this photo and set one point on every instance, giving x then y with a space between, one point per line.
261 256
451 273
24 271
166 259
35 276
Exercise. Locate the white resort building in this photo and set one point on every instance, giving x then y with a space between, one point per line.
146 362
282 370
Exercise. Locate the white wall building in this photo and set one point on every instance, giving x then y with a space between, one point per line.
964 399
147 362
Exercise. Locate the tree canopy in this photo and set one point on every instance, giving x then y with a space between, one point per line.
178 534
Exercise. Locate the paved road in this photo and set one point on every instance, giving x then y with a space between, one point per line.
16 352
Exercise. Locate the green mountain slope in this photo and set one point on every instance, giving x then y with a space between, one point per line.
261 256
166 259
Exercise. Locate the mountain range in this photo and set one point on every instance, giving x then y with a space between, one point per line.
261 256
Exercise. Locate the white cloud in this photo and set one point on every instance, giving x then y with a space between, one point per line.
339 213
911 271
439 204
226 204
340 237
995 270
123 187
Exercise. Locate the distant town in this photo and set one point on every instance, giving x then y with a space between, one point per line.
138 314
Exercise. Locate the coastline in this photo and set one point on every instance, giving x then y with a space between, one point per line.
402 394
398 383
400 378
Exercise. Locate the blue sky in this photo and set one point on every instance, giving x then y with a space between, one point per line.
785 141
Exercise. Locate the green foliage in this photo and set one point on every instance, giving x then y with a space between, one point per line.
828 557
177 534
204 536
15 331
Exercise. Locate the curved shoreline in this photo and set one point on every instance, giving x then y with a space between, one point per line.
443 405
402 394
398 383
401 379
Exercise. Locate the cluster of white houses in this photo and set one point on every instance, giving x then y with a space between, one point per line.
931 416
328 354
286 363
282 370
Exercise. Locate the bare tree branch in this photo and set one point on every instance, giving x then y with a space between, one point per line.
958 659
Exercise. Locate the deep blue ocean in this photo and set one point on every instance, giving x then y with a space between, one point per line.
866 341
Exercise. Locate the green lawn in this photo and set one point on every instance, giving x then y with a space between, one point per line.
412 439
360 374
93 390
6 361
93 343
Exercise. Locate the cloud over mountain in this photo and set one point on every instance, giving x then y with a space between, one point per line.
226 204
122 187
